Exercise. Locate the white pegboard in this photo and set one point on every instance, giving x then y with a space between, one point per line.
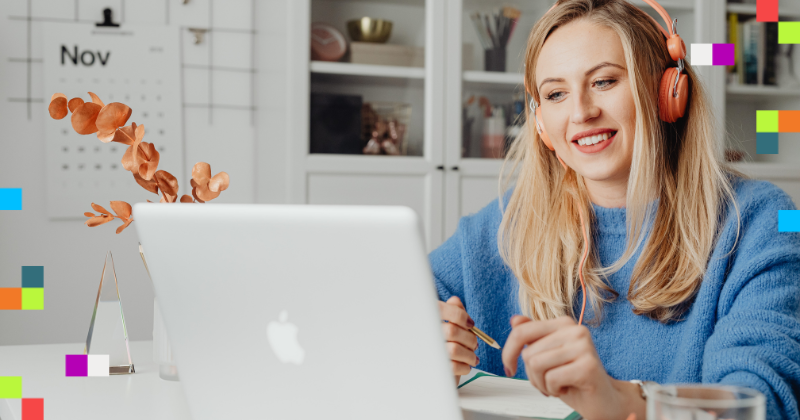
136 65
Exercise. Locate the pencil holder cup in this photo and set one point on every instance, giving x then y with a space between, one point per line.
494 59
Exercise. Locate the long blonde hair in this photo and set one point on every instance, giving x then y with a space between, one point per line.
678 181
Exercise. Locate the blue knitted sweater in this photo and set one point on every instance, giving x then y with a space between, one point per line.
743 327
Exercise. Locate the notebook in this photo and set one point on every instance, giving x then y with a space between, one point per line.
487 393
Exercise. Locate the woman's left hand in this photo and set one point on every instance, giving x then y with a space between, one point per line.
561 361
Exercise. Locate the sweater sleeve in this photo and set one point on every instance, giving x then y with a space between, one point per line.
756 339
448 266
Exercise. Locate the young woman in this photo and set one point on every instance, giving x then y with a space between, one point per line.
686 276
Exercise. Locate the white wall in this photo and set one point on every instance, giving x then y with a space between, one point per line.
71 253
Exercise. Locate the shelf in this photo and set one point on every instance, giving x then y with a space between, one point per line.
366 164
418 3
370 70
750 9
492 79
756 92
768 170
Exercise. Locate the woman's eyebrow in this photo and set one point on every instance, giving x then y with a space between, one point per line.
588 72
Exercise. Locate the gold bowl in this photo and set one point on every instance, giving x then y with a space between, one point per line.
369 30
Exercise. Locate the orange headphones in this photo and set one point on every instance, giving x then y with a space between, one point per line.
673 94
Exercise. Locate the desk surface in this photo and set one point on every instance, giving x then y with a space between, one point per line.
141 395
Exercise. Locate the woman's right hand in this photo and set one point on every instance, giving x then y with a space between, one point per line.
461 344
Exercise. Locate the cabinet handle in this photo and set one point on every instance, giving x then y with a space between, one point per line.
440 167
455 168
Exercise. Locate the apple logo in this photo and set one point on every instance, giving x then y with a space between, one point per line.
282 337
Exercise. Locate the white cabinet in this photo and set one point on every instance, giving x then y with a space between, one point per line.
437 180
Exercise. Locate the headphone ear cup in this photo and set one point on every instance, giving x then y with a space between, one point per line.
671 108
542 131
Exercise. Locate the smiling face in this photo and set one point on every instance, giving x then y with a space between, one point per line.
585 96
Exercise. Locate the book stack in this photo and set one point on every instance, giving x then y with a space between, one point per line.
756 51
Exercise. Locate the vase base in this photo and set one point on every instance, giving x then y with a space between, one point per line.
168 372
121 370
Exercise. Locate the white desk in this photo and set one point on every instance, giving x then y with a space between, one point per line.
141 395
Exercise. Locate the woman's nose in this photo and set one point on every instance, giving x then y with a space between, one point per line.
584 109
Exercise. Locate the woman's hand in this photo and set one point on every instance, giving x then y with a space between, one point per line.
561 361
461 344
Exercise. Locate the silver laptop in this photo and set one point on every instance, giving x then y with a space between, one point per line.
299 312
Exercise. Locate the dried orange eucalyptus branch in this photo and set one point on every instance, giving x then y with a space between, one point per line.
140 158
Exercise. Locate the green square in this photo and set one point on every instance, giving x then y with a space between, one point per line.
33 298
766 121
10 387
788 32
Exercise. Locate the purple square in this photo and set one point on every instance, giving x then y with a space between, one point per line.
723 54
77 365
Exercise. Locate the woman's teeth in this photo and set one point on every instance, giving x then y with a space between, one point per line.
588 141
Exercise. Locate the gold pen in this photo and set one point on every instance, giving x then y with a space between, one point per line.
482 335
144 261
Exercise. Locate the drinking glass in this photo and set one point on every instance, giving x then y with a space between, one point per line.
704 402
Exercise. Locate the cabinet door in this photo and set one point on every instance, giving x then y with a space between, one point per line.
473 172
412 184
468 189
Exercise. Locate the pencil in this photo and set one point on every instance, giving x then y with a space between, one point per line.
144 261
482 335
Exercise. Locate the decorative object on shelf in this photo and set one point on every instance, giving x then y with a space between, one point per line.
466 127
141 158
493 141
162 349
369 29
784 68
387 54
108 333
327 43
756 51
387 125
494 33
399 55
335 124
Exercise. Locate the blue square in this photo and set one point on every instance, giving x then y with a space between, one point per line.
10 198
788 220
767 143
32 276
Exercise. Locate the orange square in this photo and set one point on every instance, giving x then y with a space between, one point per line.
11 298
789 121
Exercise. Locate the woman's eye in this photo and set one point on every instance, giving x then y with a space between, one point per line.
552 96
602 84
605 83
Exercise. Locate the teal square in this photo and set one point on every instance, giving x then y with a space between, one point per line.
767 143
32 276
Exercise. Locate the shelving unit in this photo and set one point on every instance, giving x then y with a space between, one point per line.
490 80
742 101
439 183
